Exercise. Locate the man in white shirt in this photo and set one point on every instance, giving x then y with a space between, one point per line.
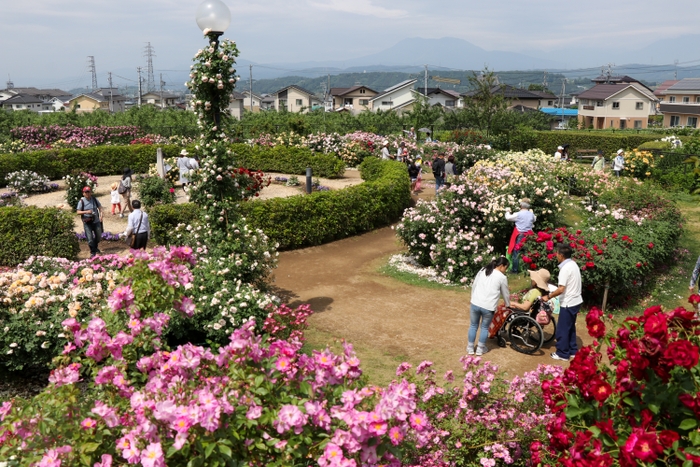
139 226
569 291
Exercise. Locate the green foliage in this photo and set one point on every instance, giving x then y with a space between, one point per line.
483 107
32 231
288 160
678 179
165 217
99 160
321 217
655 145
74 187
609 143
154 190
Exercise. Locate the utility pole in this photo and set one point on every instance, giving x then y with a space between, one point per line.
91 68
111 105
608 73
251 87
162 83
426 81
149 54
138 68
544 81
563 90
675 72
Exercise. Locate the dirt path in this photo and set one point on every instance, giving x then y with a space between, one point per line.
387 321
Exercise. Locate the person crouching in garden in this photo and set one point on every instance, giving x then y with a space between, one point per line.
90 211
489 285
569 291
524 221
139 226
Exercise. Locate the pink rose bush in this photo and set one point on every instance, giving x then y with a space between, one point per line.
69 136
257 399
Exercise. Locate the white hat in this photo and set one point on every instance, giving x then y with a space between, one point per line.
560 148
385 142
620 151
184 152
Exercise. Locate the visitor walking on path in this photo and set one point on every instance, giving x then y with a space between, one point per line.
419 178
439 172
569 291
413 172
115 198
126 183
524 221
183 164
90 211
619 162
489 285
139 226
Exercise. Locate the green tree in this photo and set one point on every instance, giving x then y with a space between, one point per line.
485 104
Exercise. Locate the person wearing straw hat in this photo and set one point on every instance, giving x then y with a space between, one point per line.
183 163
540 287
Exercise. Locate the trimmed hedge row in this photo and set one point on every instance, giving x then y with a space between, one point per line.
288 160
320 217
99 160
608 142
32 231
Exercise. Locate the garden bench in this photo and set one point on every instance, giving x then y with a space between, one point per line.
582 155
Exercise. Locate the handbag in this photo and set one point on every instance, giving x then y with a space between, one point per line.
132 241
499 318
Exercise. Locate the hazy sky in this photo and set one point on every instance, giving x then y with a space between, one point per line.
46 42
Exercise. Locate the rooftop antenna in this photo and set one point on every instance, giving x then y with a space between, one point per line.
149 53
91 69
10 84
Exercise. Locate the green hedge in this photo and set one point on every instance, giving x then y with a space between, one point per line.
288 160
32 231
608 142
320 217
99 160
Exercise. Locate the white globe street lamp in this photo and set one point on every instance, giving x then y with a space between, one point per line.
213 17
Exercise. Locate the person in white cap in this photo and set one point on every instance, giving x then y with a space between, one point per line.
619 162
558 154
183 163
385 150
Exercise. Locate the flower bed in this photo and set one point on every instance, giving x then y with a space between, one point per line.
69 136
465 226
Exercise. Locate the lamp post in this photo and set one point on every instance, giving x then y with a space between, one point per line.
213 17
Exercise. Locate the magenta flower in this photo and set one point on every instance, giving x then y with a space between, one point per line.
122 297
66 375
283 364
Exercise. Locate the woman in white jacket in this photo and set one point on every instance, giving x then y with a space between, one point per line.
489 285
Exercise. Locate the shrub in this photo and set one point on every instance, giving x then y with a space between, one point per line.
548 141
74 187
289 160
154 190
655 145
313 219
26 182
31 231
325 216
637 406
99 160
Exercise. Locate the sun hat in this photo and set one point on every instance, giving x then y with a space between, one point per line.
560 147
184 152
385 142
87 188
620 151
540 277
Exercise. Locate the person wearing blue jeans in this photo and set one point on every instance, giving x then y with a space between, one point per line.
524 222
489 285
570 292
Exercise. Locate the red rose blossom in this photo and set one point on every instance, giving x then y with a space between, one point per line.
650 245
682 353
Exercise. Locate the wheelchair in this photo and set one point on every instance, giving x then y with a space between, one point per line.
523 331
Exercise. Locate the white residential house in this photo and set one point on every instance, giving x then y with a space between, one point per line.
25 102
162 100
354 99
235 105
256 101
443 97
399 97
59 103
680 102
619 105
295 99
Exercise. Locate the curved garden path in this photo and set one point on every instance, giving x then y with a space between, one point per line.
387 320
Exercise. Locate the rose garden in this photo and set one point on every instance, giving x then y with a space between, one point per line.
184 356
